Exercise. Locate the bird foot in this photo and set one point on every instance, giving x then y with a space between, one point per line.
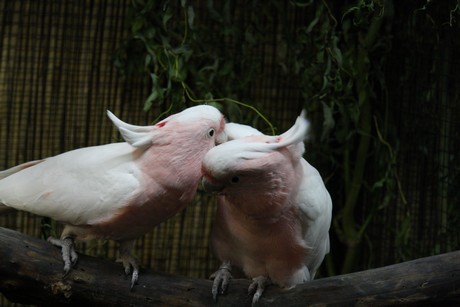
129 262
221 279
69 255
257 287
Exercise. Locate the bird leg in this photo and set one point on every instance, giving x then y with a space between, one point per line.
221 279
69 255
129 261
258 286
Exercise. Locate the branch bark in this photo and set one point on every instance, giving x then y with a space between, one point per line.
31 273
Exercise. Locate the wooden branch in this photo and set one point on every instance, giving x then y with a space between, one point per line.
31 273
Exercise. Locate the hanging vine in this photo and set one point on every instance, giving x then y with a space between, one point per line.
191 62
202 53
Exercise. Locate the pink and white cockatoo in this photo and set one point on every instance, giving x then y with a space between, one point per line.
274 212
118 191
235 131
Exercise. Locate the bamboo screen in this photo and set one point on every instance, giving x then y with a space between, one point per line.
57 79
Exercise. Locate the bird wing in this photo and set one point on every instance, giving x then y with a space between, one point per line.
17 168
315 206
76 187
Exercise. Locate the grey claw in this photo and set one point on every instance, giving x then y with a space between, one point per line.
127 269
258 286
69 256
221 280
130 262
134 278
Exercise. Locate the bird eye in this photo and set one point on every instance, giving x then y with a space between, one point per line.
235 179
211 132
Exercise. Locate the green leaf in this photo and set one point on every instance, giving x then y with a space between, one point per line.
148 60
191 16
156 93
301 3
167 16
150 33
328 121
137 24
336 52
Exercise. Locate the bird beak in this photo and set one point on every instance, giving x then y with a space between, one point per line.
210 187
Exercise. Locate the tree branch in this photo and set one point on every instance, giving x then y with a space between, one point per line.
31 273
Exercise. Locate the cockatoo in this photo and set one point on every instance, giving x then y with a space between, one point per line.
117 191
274 211
235 131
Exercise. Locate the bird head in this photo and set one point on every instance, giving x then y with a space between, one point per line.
237 131
257 168
203 121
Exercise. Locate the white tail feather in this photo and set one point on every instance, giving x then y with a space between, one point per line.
17 168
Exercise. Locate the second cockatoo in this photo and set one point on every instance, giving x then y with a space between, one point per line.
274 211
235 131
117 191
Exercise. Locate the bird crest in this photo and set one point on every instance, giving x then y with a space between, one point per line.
136 136
294 136
144 136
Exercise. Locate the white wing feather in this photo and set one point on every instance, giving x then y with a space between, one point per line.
77 187
17 168
315 205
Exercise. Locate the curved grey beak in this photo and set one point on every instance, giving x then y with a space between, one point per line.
210 187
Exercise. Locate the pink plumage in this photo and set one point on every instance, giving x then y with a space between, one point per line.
118 191
274 212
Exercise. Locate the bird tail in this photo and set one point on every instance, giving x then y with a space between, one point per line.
20 167
8 172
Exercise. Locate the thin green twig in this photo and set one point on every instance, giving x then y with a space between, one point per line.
187 92
393 160
163 113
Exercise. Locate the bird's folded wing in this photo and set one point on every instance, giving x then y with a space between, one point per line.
76 187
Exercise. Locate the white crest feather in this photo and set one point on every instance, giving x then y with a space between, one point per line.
297 133
136 139
294 136
119 123
224 156
136 136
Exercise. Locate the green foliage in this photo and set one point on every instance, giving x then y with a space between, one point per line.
339 58
194 59
204 52
338 61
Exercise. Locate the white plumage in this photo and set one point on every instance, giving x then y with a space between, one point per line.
117 191
273 213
